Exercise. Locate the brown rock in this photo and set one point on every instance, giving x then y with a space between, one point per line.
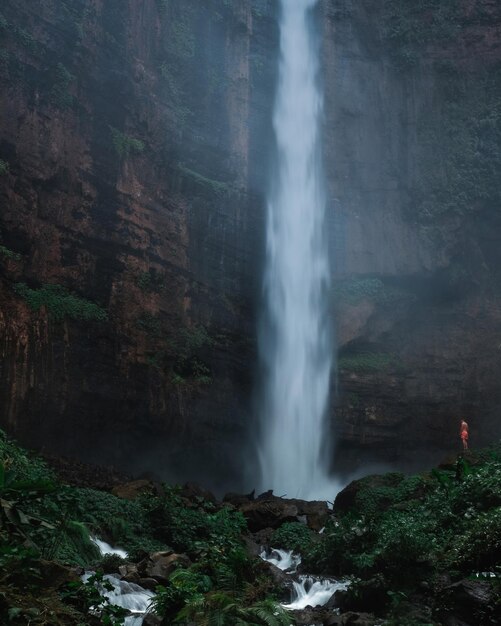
191 491
270 513
132 490
53 575
160 565
148 583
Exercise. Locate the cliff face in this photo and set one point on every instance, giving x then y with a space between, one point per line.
412 144
125 134
134 152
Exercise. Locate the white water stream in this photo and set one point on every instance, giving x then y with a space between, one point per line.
295 338
124 594
306 590
284 560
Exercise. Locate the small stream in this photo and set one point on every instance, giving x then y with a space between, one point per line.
124 594
306 590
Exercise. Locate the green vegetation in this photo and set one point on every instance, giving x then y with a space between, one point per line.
355 290
60 303
9 254
4 167
366 362
191 348
291 536
150 324
409 26
413 528
124 144
214 186
460 172
44 523
63 79
150 281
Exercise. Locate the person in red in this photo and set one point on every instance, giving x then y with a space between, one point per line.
463 433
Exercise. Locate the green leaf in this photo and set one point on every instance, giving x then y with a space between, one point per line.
14 613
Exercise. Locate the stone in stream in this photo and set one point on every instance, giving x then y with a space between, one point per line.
160 565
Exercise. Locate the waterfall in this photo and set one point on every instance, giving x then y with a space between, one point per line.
295 339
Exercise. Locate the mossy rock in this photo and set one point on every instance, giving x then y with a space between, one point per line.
379 489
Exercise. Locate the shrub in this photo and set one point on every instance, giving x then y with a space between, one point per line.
9 254
124 144
292 536
60 303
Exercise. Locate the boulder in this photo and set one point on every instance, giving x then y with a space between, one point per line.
237 499
271 513
467 603
193 491
346 499
160 565
148 583
53 575
129 572
151 619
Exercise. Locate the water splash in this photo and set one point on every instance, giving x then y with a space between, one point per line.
285 560
310 591
295 339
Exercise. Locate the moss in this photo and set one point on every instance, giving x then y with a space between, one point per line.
124 144
4 167
216 187
408 27
460 172
60 303
9 254
366 362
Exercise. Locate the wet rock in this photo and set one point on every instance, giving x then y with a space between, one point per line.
148 583
237 499
152 620
192 491
368 595
270 513
468 603
134 489
355 619
316 513
253 548
160 565
311 616
129 572
280 578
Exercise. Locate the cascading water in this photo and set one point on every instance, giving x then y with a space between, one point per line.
295 339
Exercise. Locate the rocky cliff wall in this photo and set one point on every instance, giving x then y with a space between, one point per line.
412 142
135 146
125 144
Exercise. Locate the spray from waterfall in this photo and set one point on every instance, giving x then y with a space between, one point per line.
295 339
